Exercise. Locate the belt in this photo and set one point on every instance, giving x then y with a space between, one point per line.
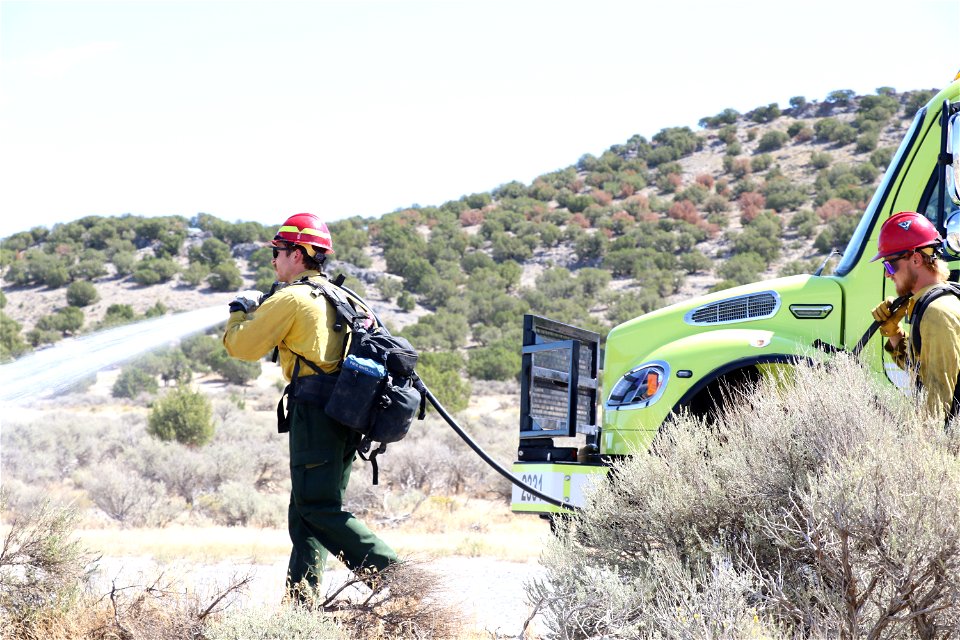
315 389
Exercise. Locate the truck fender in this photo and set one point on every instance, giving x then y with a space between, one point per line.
712 355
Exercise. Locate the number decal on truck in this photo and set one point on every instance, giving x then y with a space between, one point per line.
535 480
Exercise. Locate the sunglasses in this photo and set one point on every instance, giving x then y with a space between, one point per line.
277 250
888 264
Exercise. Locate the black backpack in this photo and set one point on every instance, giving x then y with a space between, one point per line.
943 289
377 391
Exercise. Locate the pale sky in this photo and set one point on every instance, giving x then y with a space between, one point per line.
257 110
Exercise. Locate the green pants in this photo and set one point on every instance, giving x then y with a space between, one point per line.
321 454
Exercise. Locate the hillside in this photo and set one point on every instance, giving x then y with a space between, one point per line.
745 197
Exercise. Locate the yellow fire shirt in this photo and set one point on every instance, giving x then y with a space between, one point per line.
296 321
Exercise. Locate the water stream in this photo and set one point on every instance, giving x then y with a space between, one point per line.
56 369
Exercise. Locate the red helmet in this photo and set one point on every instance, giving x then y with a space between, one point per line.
305 229
905 231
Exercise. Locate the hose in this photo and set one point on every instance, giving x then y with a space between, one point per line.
490 461
857 348
466 438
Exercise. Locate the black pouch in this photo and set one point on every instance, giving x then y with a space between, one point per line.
357 393
395 352
395 412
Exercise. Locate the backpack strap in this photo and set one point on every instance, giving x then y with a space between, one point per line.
362 448
923 302
347 314
283 414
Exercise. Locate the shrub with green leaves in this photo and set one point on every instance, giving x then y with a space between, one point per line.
915 101
439 331
881 157
867 142
631 304
772 140
66 320
496 361
837 233
820 159
760 236
195 273
210 252
90 265
183 415
81 293
124 262
805 222
444 372
768 113
154 271
234 371
726 117
225 277
117 314
694 261
12 344
782 194
134 381
742 268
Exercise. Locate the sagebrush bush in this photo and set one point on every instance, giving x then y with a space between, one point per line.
237 504
818 506
269 624
81 293
41 571
127 497
183 415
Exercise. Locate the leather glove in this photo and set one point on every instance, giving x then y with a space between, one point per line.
246 301
889 320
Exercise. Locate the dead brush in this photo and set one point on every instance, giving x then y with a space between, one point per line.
41 572
44 590
402 601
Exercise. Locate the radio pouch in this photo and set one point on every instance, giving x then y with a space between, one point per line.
357 392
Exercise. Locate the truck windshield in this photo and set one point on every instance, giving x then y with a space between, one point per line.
855 247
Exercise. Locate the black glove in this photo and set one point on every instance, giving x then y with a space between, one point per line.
246 301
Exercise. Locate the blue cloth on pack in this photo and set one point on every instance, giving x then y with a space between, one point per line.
365 366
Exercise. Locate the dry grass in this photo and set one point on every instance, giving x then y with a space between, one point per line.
439 526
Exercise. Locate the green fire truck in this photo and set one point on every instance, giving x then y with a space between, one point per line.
581 407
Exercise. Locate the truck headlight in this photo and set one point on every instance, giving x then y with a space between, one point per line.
640 387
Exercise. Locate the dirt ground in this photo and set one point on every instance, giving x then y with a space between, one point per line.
489 592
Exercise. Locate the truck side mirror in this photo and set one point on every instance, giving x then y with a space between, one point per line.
952 241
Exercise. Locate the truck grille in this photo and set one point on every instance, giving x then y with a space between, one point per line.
738 309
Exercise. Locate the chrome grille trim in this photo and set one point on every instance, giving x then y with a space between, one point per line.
754 306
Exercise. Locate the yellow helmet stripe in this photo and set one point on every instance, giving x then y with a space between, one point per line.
307 231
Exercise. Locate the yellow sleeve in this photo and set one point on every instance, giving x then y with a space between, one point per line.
250 337
940 353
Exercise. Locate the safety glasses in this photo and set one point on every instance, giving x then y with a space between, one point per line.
888 263
277 250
